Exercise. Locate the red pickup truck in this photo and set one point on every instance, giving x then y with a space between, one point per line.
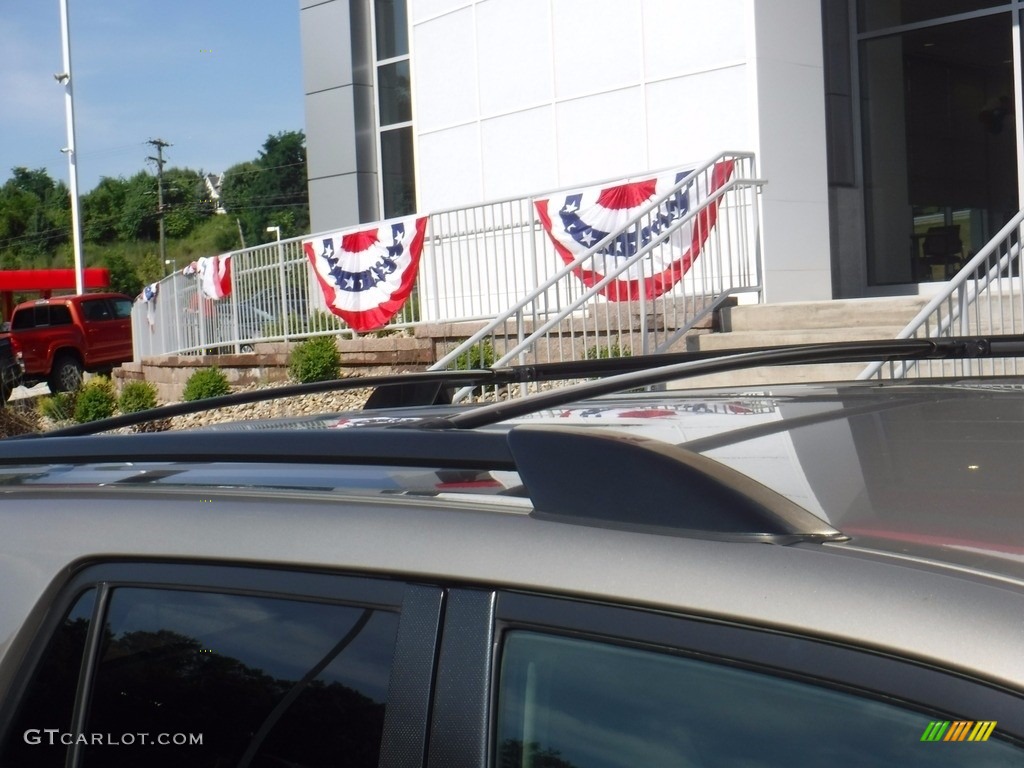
60 337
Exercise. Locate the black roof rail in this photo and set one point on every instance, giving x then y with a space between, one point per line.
586 477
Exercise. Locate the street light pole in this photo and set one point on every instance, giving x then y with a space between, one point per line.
69 107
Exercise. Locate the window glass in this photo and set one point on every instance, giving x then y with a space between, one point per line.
394 93
263 681
23 319
572 703
122 308
879 14
51 695
397 174
96 309
392 28
59 315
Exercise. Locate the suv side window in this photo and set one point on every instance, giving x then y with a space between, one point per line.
567 702
214 678
24 319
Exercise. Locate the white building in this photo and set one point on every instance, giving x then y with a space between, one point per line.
889 130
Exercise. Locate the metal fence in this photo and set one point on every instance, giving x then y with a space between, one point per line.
982 299
478 261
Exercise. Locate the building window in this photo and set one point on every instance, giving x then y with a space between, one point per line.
394 108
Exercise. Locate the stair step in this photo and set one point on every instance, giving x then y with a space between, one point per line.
839 313
776 374
777 338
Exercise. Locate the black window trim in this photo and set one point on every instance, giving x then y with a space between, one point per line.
904 682
410 687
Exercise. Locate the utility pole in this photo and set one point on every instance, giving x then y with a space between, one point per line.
159 160
64 78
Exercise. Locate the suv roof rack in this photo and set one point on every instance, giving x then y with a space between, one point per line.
425 388
670 490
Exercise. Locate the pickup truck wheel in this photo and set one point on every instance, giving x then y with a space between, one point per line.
66 375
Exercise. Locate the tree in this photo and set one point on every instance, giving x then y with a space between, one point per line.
138 219
123 277
272 191
102 210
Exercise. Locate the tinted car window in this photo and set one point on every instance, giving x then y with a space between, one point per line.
51 698
230 679
122 308
59 315
96 309
569 703
24 318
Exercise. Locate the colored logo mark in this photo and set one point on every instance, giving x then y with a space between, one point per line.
958 730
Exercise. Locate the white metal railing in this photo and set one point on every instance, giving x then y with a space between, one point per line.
477 262
564 319
982 299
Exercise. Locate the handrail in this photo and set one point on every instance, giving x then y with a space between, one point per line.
968 287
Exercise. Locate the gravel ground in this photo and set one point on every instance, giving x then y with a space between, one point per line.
21 416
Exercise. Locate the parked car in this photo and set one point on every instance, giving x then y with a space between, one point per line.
11 374
587 576
60 337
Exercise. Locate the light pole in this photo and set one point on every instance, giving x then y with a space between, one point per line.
64 78
284 283
173 264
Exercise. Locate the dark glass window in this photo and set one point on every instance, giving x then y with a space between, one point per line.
879 14
51 695
59 314
574 703
397 172
392 28
96 309
263 681
24 319
122 308
394 93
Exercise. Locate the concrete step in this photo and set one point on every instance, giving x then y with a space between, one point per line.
839 313
777 374
778 338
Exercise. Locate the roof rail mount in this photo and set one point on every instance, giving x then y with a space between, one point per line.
607 479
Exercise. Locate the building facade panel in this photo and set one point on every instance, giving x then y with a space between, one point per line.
519 155
711 110
326 46
515 55
446 82
601 136
597 46
681 37
449 170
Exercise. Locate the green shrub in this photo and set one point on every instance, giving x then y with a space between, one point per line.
315 359
58 407
478 356
96 400
204 383
137 396
607 351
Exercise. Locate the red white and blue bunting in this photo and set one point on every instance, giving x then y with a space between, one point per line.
585 217
367 274
214 274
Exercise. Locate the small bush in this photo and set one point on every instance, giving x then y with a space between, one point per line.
137 396
607 351
205 383
58 407
315 359
478 356
96 400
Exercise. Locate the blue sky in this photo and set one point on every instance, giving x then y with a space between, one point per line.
212 77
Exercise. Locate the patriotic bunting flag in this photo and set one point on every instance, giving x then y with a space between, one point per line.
367 274
214 275
579 220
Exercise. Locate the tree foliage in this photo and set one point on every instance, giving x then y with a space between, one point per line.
271 191
121 213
